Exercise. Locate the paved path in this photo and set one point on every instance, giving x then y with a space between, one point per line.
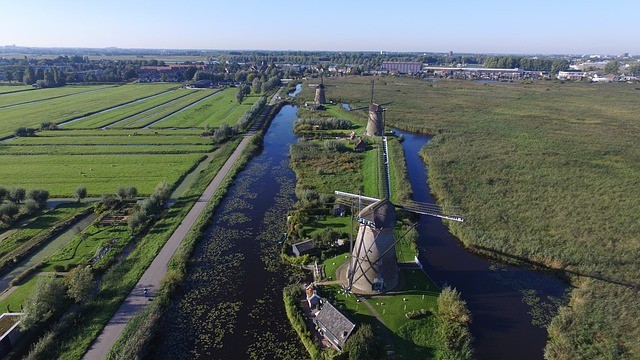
150 280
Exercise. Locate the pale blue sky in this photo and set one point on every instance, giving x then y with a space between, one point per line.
491 26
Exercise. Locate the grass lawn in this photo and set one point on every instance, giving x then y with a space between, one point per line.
330 265
17 296
339 224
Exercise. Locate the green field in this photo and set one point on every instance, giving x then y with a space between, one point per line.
111 116
156 114
62 174
14 88
37 95
545 172
65 108
214 111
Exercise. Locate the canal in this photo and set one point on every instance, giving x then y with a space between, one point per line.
231 305
510 305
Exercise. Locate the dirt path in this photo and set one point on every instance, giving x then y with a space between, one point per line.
150 280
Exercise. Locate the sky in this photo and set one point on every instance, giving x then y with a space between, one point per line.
463 26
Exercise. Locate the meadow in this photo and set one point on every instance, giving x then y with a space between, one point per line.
109 117
61 109
20 98
62 174
546 174
222 108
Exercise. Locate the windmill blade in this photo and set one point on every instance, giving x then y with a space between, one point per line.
449 212
387 103
360 108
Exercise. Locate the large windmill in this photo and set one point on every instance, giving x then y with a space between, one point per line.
373 266
320 97
375 125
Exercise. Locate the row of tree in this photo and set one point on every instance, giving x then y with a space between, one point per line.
16 201
551 65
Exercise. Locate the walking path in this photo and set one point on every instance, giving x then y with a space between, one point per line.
150 280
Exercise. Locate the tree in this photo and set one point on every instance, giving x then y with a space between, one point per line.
80 284
127 192
17 194
47 297
362 344
454 320
109 200
612 67
81 193
30 207
3 194
240 95
24 132
136 220
256 86
8 211
29 76
8 75
39 196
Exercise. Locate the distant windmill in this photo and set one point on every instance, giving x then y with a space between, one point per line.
320 98
373 266
375 125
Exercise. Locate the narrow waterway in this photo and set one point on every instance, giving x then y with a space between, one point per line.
231 304
510 305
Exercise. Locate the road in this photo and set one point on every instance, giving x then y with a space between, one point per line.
150 280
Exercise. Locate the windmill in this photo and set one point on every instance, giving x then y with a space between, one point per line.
373 266
320 97
375 125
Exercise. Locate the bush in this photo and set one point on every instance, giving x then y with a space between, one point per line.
454 324
362 344
47 298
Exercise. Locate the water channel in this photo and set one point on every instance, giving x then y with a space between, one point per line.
231 305
505 301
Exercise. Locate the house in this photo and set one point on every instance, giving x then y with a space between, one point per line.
303 247
360 146
334 326
313 299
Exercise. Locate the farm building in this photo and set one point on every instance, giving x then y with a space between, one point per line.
201 84
360 146
339 210
334 326
303 247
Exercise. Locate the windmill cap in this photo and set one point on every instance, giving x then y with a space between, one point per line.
381 214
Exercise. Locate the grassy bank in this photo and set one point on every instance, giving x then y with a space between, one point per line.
546 175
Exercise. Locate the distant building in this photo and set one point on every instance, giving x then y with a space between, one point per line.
571 75
402 67
334 326
201 84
